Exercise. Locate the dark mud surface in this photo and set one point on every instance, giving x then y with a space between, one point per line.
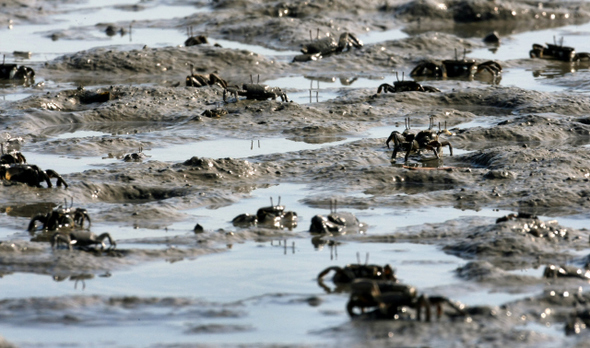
520 145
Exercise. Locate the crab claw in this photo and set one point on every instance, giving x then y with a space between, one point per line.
53 174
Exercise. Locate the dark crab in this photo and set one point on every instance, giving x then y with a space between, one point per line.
30 174
566 271
135 156
60 217
326 46
198 80
388 298
255 91
12 157
424 140
82 239
466 68
214 113
194 40
558 52
401 141
349 273
14 72
405 86
273 216
335 222
577 321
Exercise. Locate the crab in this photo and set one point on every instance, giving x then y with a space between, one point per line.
405 86
327 46
135 156
112 30
198 80
558 52
349 273
60 217
388 298
14 72
553 271
12 157
335 222
401 141
456 68
30 174
82 239
577 321
255 91
426 139
215 112
194 40
513 216
273 216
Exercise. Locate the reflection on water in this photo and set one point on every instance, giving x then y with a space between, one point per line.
517 46
252 48
27 210
216 284
559 69
327 82
374 36
381 220
215 148
74 29
525 79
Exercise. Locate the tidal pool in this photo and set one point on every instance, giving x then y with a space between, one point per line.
232 286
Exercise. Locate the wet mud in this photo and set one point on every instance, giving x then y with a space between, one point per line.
516 149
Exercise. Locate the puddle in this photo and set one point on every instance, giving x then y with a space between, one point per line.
80 134
19 38
488 298
96 11
217 148
253 48
526 79
329 82
555 331
374 36
379 220
325 88
207 277
66 165
234 148
518 46
573 221
14 96
263 289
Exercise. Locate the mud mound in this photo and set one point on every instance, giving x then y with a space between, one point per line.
120 104
483 271
526 240
481 10
168 62
525 130
221 168
131 193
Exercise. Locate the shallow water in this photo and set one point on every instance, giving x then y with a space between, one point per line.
76 16
518 46
283 285
244 288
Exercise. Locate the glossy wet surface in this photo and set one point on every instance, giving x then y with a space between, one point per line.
169 285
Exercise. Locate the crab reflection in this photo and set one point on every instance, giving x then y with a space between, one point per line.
319 242
26 209
559 69
284 244
344 81
82 277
